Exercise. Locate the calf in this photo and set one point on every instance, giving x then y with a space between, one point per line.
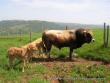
24 53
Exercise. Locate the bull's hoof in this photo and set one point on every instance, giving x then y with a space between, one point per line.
75 55
70 59
49 59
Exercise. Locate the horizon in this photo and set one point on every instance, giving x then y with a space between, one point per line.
65 11
50 21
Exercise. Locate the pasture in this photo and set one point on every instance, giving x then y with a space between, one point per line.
92 63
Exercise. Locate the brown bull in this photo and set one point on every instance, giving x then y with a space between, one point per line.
66 38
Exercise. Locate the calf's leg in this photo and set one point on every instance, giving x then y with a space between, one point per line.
11 59
24 65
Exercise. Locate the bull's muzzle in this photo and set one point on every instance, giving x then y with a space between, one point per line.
93 40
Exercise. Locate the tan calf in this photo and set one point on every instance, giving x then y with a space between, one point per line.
38 44
24 53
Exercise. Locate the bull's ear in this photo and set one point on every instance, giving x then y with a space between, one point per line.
79 33
84 31
87 34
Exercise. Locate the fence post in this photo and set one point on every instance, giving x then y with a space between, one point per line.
66 28
20 35
42 28
30 35
104 37
107 36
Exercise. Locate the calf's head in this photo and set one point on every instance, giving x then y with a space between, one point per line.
31 48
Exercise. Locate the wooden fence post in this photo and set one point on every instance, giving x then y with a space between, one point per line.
20 35
107 36
66 28
30 35
42 29
104 37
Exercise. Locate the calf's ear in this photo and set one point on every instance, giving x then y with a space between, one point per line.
29 47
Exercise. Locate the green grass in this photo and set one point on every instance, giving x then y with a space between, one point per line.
6 43
92 51
87 73
37 80
95 51
92 71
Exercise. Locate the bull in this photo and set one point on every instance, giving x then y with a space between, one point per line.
66 38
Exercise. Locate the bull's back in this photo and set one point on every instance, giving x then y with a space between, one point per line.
59 38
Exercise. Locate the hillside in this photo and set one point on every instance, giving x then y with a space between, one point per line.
21 26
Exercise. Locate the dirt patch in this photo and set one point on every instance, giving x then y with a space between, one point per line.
56 61
64 66
58 68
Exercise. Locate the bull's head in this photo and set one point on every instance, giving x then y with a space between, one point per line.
84 35
88 36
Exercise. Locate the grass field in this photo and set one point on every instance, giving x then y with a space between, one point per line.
39 72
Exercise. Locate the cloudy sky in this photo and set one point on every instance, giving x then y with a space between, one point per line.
73 11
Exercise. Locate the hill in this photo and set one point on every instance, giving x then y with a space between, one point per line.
22 26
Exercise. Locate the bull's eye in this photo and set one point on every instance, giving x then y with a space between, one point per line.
89 35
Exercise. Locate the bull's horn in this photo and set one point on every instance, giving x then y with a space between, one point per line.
85 31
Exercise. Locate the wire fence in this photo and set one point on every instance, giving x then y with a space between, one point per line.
20 34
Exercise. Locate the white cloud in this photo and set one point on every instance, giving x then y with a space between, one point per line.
62 5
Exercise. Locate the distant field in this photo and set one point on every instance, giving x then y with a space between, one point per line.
93 51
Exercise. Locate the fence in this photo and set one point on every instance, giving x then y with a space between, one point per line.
105 35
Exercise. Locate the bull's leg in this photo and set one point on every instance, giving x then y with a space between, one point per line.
40 52
47 46
44 49
70 54
48 51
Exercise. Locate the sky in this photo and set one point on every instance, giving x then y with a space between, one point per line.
68 11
